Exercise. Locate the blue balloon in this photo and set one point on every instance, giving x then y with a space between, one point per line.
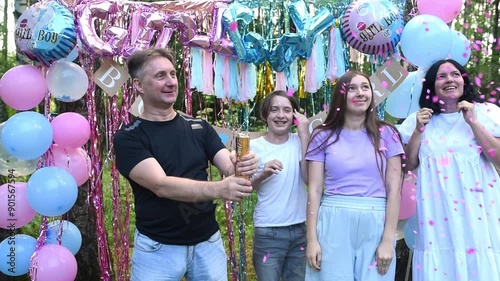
425 40
15 254
285 53
411 231
460 48
27 135
403 101
52 191
250 48
224 138
71 237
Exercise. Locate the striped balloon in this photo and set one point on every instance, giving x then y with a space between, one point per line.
372 26
46 32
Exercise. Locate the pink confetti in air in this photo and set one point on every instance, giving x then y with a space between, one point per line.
384 84
431 222
296 122
477 81
471 251
435 99
325 106
264 259
233 26
290 92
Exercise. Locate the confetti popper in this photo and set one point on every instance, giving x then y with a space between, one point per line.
228 211
242 148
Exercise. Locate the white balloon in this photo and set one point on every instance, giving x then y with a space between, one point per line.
67 81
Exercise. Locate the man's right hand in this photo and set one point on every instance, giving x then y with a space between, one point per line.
235 188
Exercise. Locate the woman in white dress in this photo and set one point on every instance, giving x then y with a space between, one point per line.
453 143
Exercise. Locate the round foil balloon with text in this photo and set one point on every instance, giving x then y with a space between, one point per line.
46 32
372 27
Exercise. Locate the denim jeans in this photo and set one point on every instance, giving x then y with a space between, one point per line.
280 253
153 261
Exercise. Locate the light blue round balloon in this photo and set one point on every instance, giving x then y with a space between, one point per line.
27 135
15 254
52 191
71 237
460 49
411 231
425 40
403 101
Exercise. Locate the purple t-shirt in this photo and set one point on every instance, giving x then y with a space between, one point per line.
350 163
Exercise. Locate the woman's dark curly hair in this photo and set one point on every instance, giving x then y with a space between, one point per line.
428 88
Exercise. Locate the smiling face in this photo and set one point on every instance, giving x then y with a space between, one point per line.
449 85
158 83
280 117
359 95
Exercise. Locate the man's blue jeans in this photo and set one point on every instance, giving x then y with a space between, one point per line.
153 261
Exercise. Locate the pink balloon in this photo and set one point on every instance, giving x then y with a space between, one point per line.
408 202
75 161
55 263
71 130
23 87
446 10
15 212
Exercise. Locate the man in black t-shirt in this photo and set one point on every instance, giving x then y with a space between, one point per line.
164 154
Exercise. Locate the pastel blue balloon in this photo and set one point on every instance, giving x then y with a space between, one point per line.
224 138
298 13
314 26
52 191
460 48
27 135
256 48
285 53
237 13
411 231
71 237
403 101
425 40
15 254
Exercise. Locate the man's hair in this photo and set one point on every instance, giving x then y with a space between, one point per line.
138 60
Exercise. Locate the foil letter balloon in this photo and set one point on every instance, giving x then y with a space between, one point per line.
46 32
372 26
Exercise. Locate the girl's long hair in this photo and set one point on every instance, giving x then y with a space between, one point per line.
335 119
